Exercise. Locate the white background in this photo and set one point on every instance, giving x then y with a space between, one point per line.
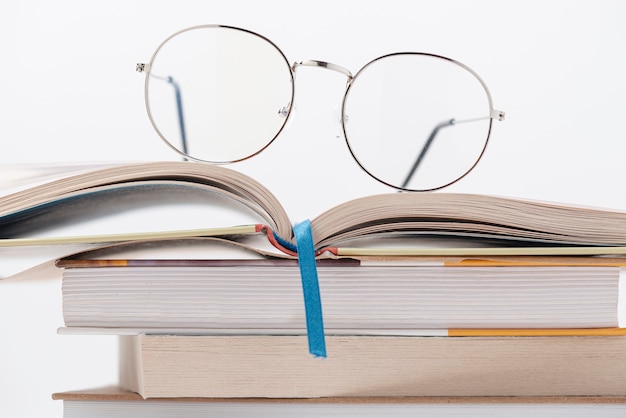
69 92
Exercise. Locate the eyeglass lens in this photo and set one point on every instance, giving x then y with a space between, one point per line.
413 121
416 121
218 94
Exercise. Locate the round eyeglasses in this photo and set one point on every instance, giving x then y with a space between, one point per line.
413 121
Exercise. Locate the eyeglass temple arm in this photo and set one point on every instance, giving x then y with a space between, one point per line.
179 102
495 114
424 150
180 113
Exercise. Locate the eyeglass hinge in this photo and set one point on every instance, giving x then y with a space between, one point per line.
142 68
497 114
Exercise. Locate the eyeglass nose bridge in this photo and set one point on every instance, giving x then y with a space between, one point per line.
323 64
329 66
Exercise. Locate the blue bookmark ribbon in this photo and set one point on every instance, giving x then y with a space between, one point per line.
288 245
310 288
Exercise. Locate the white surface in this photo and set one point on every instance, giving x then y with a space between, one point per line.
69 92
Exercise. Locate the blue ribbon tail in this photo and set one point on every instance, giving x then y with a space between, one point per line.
310 288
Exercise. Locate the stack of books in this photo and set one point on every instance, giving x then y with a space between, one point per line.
390 305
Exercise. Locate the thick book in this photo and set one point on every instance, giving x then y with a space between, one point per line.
114 402
363 366
264 296
100 192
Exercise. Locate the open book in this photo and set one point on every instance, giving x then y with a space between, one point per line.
512 226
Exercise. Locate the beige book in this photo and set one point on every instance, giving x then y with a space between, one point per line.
361 366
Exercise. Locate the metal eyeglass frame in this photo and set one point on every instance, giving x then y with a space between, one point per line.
287 110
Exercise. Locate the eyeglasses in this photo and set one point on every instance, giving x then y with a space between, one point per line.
414 121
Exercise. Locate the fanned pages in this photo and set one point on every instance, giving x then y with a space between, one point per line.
513 222
205 178
469 215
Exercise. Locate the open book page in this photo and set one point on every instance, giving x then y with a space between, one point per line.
224 181
163 197
138 208
468 215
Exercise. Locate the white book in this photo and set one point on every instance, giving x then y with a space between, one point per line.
265 296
